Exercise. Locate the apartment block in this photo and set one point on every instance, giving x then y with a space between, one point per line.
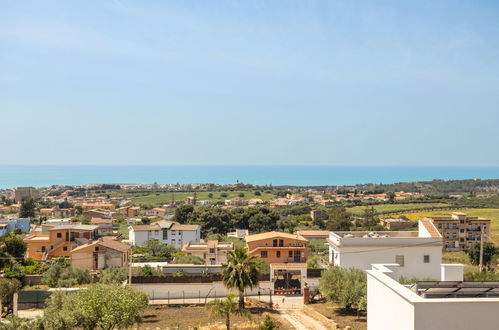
460 231
21 193
167 232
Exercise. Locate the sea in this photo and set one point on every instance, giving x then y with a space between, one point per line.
43 176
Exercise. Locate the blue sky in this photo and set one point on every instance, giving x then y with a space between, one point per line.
250 82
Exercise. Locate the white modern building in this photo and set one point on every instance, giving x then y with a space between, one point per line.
434 305
419 254
167 232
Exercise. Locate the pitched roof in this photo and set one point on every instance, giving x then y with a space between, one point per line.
146 227
273 234
312 232
115 245
75 227
178 226
100 220
110 244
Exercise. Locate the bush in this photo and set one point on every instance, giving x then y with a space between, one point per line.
114 275
7 288
314 262
346 287
98 307
80 275
149 271
268 324
481 276
59 276
190 260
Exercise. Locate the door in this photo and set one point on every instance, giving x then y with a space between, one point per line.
296 256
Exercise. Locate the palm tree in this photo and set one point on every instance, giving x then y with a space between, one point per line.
225 308
240 272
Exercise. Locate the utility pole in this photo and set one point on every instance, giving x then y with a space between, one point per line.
130 267
481 248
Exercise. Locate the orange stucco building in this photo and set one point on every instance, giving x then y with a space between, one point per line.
277 247
58 241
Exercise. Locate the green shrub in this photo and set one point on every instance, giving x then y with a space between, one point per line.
115 275
346 287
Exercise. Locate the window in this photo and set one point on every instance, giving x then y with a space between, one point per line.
165 234
461 230
426 259
59 235
65 248
278 254
96 248
290 254
399 260
212 250
263 254
281 243
274 242
43 248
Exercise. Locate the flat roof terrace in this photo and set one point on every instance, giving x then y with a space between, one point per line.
374 234
381 238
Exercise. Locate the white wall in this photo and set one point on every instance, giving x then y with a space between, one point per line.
385 308
363 257
455 315
193 290
176 238
391 306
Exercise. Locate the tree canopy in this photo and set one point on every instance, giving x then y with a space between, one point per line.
240 272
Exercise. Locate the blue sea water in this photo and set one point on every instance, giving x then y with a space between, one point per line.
40 176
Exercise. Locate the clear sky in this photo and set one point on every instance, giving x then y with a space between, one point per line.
249 82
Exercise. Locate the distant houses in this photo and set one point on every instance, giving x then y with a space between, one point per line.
212 252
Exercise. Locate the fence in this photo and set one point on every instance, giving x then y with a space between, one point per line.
197 278
32 299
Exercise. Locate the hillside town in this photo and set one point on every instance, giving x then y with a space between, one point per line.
303 249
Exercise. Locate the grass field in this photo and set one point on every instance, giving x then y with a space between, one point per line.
358 210
492 214
163 197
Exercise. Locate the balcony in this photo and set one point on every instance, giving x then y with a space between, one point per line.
293 260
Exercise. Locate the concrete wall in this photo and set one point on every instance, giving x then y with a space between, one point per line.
363 257
386 310
391 306
193 290
452 272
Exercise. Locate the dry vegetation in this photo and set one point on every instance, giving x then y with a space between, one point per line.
338 315
189 317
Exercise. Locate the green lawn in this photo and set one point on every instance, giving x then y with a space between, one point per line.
163 197
358 210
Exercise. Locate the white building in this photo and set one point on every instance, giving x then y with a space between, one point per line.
447 304
239 233
418 253
167 232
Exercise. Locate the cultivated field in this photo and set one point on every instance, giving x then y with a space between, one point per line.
166 197
358 210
